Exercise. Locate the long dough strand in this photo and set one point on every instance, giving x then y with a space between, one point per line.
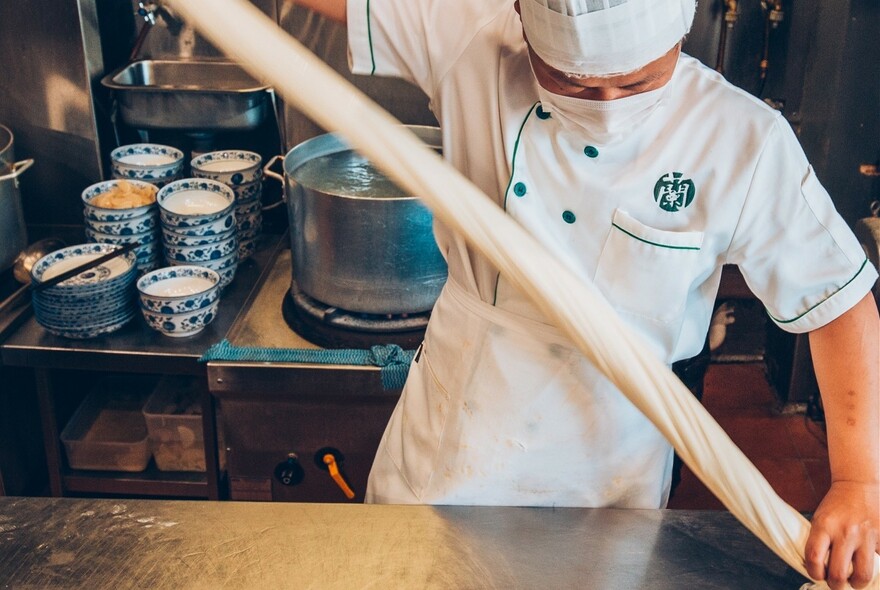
243 32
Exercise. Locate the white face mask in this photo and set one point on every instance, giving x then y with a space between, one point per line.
603 121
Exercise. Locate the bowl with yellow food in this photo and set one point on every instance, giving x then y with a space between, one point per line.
118 200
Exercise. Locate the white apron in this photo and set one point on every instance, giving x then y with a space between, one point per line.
501 410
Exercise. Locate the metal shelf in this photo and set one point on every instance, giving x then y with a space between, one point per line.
150 482
134 349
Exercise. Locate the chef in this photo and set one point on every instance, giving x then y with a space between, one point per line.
645 172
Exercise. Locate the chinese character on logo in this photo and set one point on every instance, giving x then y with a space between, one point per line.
673 193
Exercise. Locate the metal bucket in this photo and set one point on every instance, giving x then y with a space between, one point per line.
13 233
365 254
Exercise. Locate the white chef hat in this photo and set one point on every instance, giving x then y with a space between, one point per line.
603 37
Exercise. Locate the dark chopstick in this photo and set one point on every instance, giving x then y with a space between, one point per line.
126 248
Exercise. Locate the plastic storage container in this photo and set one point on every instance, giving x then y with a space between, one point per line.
174 421
108 432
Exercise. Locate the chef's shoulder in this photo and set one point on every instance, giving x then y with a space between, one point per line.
710 96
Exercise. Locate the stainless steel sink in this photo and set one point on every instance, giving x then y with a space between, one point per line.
189 95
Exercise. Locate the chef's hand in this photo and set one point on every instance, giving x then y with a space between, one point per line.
845 535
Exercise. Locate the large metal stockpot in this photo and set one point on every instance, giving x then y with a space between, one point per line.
13 233
373 254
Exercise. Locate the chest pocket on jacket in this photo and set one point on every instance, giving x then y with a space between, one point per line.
647 271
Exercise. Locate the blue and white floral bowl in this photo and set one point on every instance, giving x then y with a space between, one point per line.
252 222
199 227
96 301
127 227
252 208
242 172
225 267
149 258
227 274
108 274
201 253
146 237
89 330
149 251
246 249
248 193
122 226
232 167
149 162
249 222
210 228
193 202
251 233
91 212
84 317
178 289
80 316
178 325
173 238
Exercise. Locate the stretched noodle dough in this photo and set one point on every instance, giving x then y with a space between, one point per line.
244 33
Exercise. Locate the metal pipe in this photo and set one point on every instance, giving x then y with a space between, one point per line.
730 13
774 16
151 12
139 41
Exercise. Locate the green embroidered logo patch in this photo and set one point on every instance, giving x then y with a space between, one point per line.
673 193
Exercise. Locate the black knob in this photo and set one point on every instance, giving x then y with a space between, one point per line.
290 472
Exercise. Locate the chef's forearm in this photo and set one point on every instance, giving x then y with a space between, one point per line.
332 9
846 356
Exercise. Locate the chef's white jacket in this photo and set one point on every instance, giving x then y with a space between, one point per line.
712 177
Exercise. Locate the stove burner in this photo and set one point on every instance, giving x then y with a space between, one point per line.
332 327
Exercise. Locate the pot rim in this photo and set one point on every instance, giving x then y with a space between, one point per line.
332 143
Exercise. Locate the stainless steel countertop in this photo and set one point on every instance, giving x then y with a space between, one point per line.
79 543
136 347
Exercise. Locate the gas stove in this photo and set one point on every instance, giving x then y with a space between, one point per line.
281 419
332 327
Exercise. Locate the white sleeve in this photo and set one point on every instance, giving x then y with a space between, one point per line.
416 40
796 252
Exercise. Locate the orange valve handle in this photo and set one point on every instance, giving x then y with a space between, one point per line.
330 462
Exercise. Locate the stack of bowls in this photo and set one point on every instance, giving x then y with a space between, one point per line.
179 300
197 216
124 211
242 172
150 162
97 301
